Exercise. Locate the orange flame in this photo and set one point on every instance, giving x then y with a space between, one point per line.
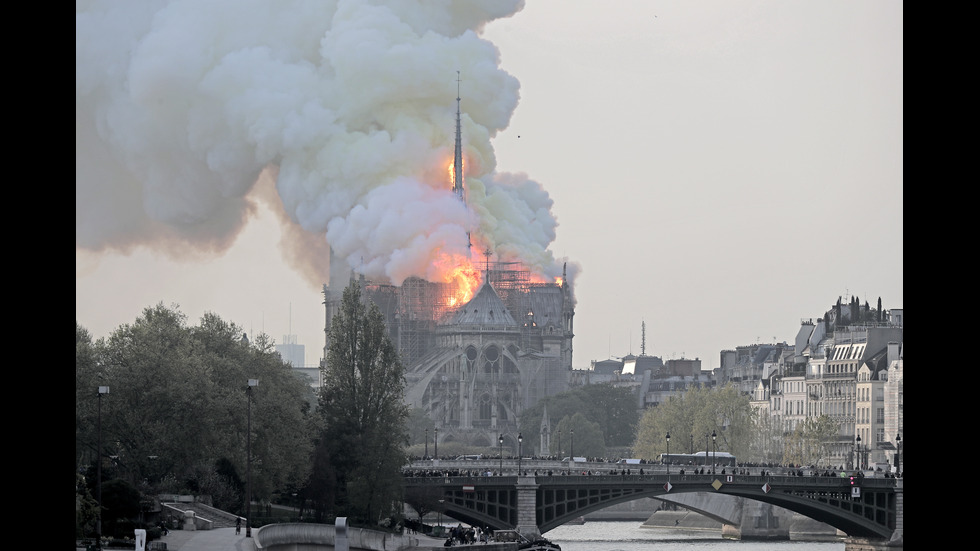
466 278
462 277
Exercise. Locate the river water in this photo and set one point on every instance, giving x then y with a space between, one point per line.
631 536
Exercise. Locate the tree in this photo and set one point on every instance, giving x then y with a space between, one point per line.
418 423
86 508
612 408
691 418
120 507
424 499
176 411
807 444
363 411
587 440
769 443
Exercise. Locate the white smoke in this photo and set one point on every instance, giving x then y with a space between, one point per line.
349 104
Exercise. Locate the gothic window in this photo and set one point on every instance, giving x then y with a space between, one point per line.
471 355
491 360
486 406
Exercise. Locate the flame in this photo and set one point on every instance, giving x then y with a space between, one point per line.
461 275
452 172
559 281
466 278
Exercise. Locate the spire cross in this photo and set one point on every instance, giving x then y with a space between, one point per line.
487 253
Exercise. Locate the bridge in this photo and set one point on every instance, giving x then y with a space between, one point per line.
542 498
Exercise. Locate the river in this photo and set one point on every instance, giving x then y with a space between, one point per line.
631 536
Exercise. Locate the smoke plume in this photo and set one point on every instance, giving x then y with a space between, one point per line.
349 106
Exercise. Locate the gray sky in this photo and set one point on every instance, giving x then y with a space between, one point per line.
719 170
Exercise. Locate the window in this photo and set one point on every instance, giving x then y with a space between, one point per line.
486 407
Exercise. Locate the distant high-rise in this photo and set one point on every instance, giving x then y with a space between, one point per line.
291 351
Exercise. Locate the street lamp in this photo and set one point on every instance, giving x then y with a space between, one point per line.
667 457
559 444
572 454
500 442
427 442
520 441
898 453
98 476
248 454
857 456
435 442
714 451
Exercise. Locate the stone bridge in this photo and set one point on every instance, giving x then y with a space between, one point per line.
868 508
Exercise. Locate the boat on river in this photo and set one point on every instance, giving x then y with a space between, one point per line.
524 543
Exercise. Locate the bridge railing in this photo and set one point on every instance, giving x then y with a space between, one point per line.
605 480
509 466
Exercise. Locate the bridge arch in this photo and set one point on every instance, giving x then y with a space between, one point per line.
499 502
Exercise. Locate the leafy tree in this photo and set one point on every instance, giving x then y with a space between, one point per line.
769 443
362 409
691 418
424 499
587 439
86 508
320 491
177 407
612 408
418 422
807 444
87 381
120 506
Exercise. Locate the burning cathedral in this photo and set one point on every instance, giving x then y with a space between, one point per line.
480 349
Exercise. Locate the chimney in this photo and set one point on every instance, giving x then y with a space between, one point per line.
892 352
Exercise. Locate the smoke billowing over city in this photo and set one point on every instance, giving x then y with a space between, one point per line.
188 112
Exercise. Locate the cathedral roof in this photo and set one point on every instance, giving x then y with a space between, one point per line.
485 308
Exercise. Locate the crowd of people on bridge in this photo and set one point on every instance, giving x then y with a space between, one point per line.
741 470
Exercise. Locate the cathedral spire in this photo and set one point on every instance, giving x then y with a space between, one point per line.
458 158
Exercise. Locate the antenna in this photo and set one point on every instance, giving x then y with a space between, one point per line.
643 338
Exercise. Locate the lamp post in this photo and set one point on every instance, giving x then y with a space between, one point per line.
559 445
714 451
435 442
520 450
667 458
859 460
426 442
98 476
572 454
500 442
248 454
898 453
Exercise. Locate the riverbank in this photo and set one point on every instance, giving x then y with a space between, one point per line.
683 520
800 529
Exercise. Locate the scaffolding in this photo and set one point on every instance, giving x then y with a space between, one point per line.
414 309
